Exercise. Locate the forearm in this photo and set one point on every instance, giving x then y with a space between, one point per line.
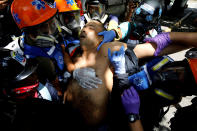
136 126
173 48
68 62
121 81
184 38
145 50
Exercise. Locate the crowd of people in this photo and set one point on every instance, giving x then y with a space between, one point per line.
67 64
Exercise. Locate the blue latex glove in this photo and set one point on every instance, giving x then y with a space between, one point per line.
117 59
72 42
108 37
130 101
140 80
143 79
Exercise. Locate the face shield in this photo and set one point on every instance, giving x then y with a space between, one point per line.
48 28
96 11
45 34
71 20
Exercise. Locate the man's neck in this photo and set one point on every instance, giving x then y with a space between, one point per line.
88 57
88 50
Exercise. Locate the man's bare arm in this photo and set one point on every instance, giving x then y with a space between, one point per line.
67 60
136 126
184 38
148 49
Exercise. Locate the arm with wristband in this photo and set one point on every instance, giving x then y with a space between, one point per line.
184 39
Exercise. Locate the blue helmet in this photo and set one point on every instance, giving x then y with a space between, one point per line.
146 16
148 12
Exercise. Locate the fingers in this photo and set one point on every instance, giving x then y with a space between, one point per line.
101 33
97 80
98 48
63 46
122 49
94 80
133 92
89 69
84 85
125 94
147 40
121 52
109 53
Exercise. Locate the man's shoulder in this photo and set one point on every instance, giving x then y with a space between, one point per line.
114 46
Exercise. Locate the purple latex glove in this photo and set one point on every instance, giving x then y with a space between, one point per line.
161 40
130 101
108 37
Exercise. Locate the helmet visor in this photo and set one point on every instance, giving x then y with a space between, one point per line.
48 28
71 19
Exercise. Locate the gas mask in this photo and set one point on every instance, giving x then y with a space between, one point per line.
46 34
71 22
145 18
96 11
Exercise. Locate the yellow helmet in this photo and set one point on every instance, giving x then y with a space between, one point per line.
66 5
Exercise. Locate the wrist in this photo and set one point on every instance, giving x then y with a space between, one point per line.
133 117
118 33
119 72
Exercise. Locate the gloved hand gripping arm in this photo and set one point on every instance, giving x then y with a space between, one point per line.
108 36
117 59
161 40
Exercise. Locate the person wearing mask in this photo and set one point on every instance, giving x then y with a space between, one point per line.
96 10
145 22
69 16
42 40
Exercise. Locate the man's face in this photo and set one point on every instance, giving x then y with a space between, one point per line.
89 33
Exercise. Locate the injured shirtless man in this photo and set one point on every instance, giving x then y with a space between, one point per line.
92 103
